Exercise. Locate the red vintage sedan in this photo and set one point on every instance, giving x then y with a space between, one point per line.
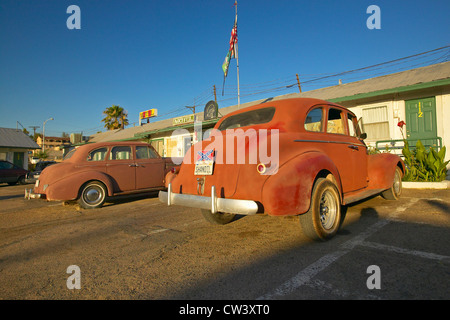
94 171
302 157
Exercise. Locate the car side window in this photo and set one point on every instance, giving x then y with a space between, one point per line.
120 153
351 125
335 123
143 152
313 120
97 154
6 165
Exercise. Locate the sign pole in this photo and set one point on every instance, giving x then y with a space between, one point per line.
237 62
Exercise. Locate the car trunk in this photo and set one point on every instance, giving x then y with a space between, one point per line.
236 155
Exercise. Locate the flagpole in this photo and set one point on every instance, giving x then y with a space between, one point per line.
237 63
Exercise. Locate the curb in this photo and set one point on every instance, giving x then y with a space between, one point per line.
426 185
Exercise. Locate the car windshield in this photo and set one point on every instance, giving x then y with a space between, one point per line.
248 118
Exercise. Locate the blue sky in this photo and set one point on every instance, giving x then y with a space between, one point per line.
168 54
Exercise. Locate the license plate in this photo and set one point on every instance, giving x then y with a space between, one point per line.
204 168
205 163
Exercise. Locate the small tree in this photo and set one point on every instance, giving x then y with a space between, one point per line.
116 117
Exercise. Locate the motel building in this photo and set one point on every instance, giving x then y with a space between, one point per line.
419 97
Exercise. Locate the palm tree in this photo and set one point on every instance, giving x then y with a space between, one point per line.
116 117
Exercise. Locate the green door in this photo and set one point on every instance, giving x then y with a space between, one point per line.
421 119
18 159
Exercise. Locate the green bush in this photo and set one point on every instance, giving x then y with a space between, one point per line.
424 165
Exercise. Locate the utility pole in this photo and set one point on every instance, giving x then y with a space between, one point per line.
34 130
215 96
192 108
298 83
237 63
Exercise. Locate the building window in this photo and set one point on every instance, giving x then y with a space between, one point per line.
376 123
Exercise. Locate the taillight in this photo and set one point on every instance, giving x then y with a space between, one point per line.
261 168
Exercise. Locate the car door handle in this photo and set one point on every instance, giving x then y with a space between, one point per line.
353 147
133 165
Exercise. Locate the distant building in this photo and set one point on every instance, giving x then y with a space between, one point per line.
54 146
15 146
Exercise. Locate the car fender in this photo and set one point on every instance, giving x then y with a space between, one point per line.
381 169
289 191
68 188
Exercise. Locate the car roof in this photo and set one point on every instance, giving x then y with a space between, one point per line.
85 148
289 111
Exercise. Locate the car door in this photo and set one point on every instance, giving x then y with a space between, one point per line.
121 167
6 172
345 151
149 168
358 153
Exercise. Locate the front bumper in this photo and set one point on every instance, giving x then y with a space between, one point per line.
213 203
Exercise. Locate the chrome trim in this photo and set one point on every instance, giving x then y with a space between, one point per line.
29 194
213 203
213 200
328 141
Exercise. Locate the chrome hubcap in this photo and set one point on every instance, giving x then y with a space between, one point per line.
328 210
93 195
397 183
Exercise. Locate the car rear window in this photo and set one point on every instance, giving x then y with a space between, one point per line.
248 118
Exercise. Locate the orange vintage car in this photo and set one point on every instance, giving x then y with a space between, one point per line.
94 171
309 160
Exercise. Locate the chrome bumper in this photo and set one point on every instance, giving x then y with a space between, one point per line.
29 194
213 203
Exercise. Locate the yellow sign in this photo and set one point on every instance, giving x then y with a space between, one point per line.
420 114
183 120
148 114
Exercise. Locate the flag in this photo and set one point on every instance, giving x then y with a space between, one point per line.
232 52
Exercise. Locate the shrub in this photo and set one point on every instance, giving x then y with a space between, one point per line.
424 165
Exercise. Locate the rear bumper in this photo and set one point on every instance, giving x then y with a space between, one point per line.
29 194
213 203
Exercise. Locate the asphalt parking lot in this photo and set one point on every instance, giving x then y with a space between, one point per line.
138 248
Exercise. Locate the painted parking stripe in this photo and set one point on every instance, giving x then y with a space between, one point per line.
313 269
421 254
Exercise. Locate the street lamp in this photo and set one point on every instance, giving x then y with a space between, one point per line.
43 134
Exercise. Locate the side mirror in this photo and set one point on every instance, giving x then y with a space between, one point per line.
363 136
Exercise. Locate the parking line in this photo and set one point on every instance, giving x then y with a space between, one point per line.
421 254
313 269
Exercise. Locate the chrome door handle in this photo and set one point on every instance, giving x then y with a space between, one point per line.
353 147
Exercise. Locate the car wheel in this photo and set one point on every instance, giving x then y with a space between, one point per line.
217 218
323 219
92 195
21 180
394 192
